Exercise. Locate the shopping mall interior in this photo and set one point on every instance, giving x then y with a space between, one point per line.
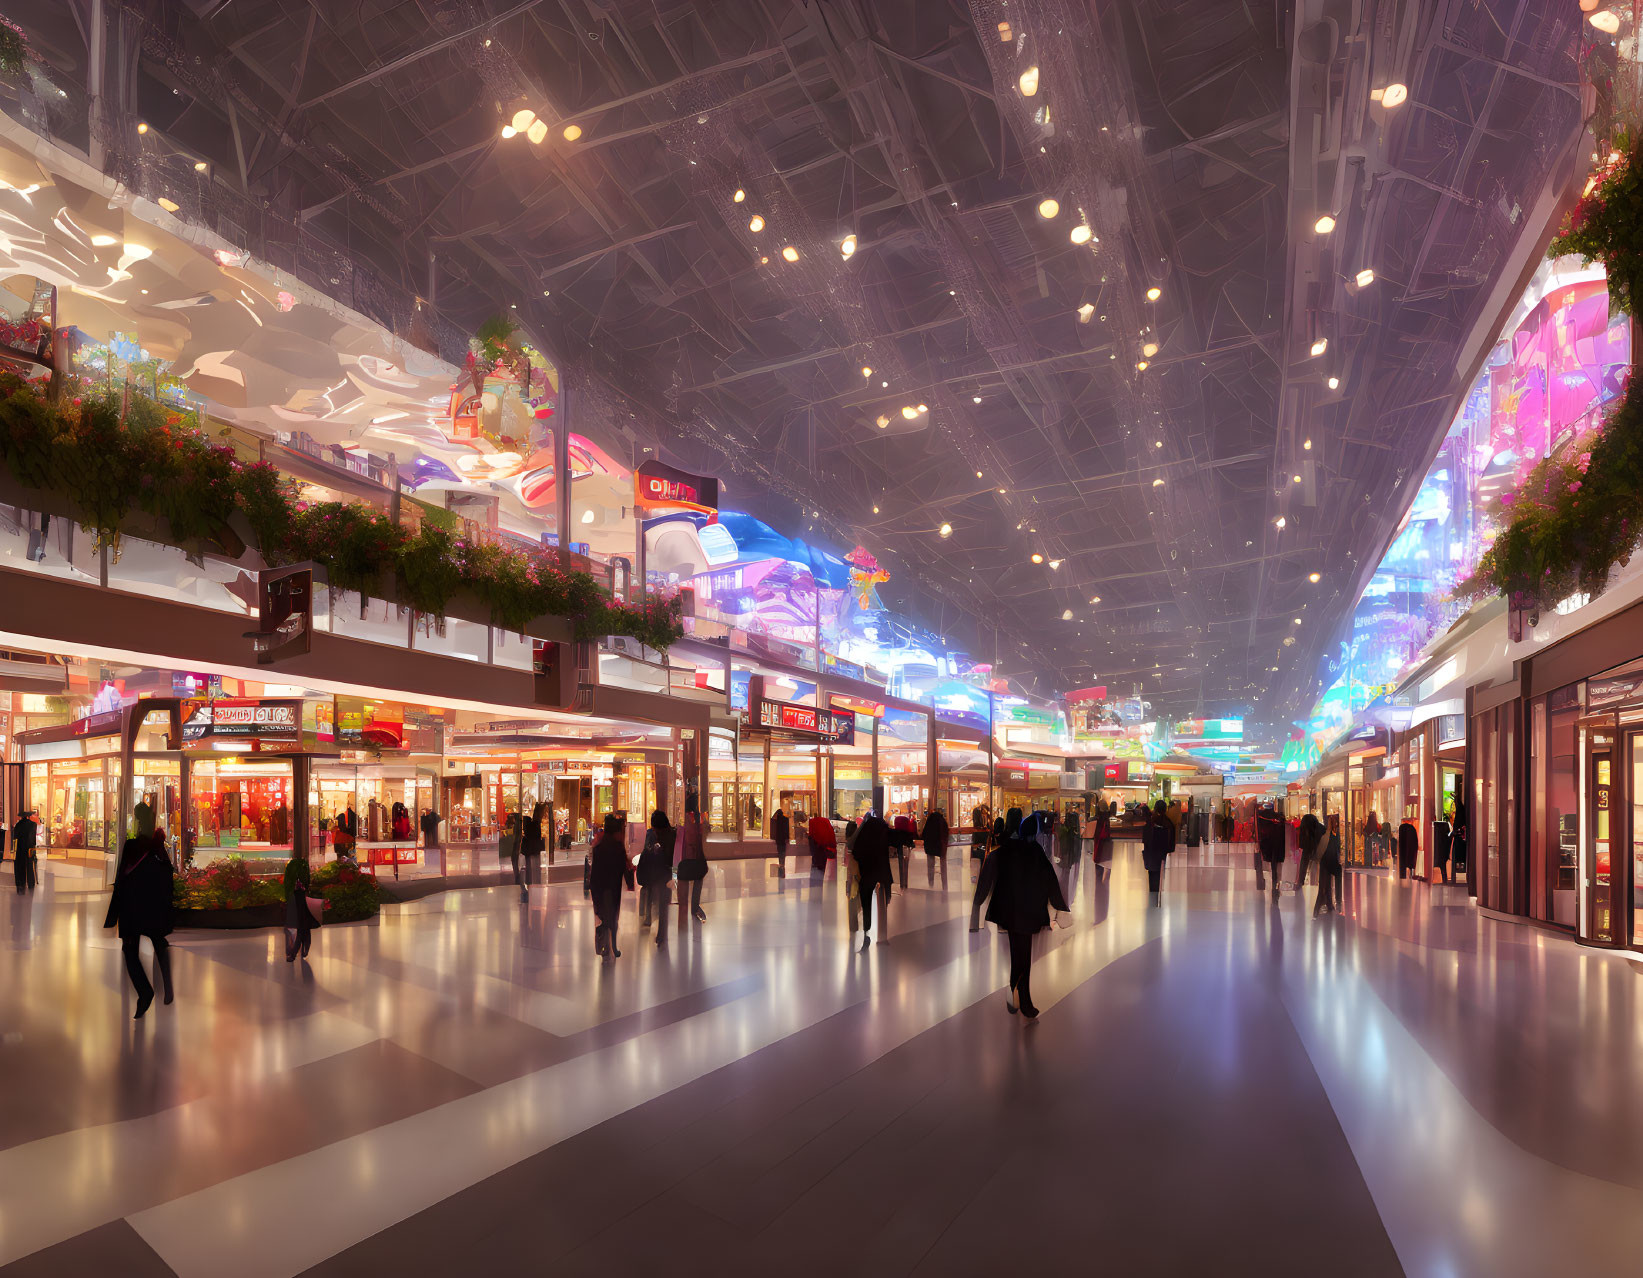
915 636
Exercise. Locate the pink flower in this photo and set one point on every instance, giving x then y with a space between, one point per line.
1575 487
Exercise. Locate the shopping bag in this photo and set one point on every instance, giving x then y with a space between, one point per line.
317 905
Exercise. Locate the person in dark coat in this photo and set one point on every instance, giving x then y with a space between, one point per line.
692 868
1329 869
140 906
1101 842
1442 837
508 846
824 844
530 848
1308 835
1156 844
655 873
1269 846
299 920
1019 884
430 829
1457 845
781 831
902 834
935 835
609 871
25 835
872 853
1409 846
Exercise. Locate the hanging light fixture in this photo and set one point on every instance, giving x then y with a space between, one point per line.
909 412
790 253
1080 234
1314 578
572 132
848 245
866 371
1029 80
1048 208
883 421
739 196
508 131
1397 94
523 119
1366 277
1320 346
538 133
1154 293
1085 311
755 224
1334 383
1150 349
1141 366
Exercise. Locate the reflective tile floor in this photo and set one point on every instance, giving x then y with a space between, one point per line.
1221 1085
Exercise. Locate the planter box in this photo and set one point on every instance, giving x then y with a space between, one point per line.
251 916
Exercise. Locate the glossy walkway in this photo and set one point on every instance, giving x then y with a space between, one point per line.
1222 1085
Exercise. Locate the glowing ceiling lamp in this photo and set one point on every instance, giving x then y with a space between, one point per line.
199 166
142 126
946 530
538 133
572 132
1320 346
1029 78
909 412
923 408
866 371
1324 225
1140 365
1397 94
522 119
739 196
1334 383
1314 578
1085 311
1081 234
1307 445
1095 599
1066 614
1048 208
1037 558
1150 349
508 131
1366 277
1055 563
847 246
1154 293
883 421
755 224
1280 523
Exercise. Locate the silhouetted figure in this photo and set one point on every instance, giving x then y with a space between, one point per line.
1409 846
1442 839
1269 846
693 862
781 831
936 834
530 848
872 853
824 844
655 874
1018 883
1308 835
1101 843
1157 842
430 829
299 919
140 906
1329 870
25 836
609 871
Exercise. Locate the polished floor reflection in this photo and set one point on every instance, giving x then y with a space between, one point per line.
1222 1084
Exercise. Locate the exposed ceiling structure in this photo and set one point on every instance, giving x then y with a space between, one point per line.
358 144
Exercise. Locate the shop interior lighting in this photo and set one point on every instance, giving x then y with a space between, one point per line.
1081 234
1396 95
739 196
1366 277
755 224
1154 293
1324 225
1048 208
790 253
1029 77
847 246
572 132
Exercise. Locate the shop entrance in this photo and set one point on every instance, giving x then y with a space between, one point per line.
1634 823
1601 894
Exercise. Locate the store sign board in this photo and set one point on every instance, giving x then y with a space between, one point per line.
362 723
1607 692
1087 694
838 728
251 724
658 488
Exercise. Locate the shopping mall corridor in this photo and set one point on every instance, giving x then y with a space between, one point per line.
1223 1083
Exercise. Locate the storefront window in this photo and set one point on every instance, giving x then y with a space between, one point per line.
241 806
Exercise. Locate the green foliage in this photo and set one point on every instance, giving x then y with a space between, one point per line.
155 460
14 49
228 884
1579 514
352 892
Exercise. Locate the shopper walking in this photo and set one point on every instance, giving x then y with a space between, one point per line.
140 906
530 848
692 862
609 872
1329 870
1269 846
1309 834
25 836
936 833
781 830
1156 844
1442 839
901 842
824 844
430 830
1019 885
299 916
655 874
1101 842
872 854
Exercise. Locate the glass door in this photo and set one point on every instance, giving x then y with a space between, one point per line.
1601 886
1634 753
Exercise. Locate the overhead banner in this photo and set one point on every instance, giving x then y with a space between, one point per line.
254 726
658 488
829 725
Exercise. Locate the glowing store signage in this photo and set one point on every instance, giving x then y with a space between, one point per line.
661 488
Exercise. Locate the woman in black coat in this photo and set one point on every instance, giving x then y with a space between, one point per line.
655 873
608 871
1269 843
530 848
141 906
1019 885
781 830
299 920
935 837
1157 841
872 853
1329 869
